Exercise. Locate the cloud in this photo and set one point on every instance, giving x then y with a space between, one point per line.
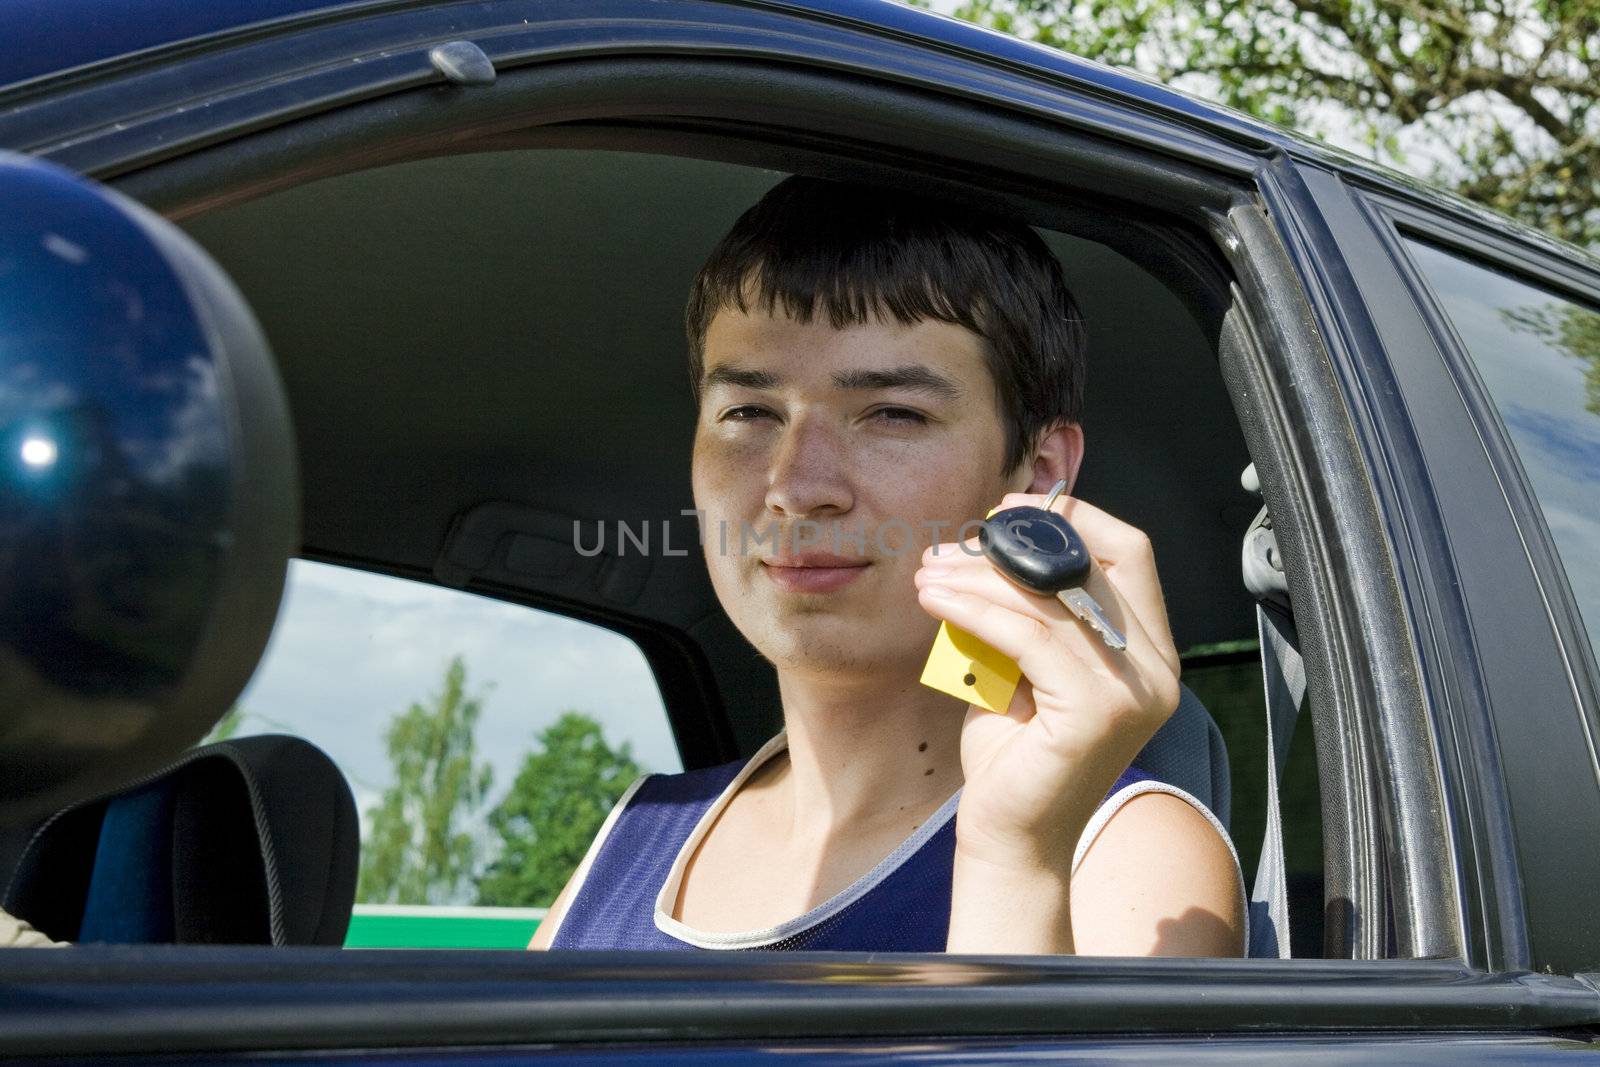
193 432
1568 443
352 649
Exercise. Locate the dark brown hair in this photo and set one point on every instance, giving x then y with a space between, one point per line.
855 252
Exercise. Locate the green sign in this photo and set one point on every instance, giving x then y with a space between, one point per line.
422 926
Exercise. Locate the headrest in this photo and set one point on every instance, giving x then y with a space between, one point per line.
148 493
251 841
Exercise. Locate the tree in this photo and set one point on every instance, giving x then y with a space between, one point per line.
1495 99
545 823
421 848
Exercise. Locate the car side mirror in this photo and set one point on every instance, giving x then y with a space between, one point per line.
149 500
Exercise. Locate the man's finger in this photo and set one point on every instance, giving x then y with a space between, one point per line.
979 578
1046 661
1125 558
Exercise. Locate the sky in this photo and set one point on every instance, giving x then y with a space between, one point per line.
353 649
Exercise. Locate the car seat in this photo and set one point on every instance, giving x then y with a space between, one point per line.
252 840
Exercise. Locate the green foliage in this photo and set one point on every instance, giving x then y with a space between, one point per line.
229 725
554 809
420 848
1493 98
226 726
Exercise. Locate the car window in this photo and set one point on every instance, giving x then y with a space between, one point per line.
1538 354
484 741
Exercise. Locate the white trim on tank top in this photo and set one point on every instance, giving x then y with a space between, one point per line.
887 866
581 875
833 905
668 895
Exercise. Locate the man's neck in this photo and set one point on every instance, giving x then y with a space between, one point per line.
866 753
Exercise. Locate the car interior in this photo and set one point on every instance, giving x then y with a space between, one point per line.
481 347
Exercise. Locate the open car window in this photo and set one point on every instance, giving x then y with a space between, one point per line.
534 393
484 743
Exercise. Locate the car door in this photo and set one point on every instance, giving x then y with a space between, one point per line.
1430 933
1512 662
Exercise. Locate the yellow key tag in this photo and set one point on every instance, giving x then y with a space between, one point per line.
970 669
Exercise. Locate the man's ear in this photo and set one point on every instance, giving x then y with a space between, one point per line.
1057 458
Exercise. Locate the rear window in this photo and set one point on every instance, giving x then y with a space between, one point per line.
1538 354
484 742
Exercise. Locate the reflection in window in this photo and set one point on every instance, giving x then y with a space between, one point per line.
1539 355
485 743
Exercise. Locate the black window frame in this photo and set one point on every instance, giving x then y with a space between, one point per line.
1182 187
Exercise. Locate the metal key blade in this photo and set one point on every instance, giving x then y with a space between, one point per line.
1085 607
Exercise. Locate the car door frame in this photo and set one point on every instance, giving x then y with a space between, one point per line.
1510 681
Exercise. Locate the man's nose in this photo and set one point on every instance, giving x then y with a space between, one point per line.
809 473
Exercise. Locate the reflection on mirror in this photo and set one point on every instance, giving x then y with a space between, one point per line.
147 490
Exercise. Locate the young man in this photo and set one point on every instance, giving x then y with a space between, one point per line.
873 371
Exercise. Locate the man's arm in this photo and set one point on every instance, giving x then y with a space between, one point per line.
1156 881
1161 878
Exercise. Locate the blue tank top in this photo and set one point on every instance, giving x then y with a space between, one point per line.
628 883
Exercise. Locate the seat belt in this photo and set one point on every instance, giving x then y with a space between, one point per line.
1283 680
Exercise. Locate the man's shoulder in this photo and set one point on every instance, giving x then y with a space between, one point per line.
703 785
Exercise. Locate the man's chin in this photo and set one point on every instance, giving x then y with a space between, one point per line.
817 643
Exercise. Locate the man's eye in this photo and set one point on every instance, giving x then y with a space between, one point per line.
904 416
745 413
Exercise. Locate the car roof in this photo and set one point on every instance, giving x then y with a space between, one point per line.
49 37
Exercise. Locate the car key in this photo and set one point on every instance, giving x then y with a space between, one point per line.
1040 551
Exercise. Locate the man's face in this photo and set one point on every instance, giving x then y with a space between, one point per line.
846 452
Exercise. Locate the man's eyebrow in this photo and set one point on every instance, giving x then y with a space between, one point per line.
912 376
726 374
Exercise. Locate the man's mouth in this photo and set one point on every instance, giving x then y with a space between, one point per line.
813 572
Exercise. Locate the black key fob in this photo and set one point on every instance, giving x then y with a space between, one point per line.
1037 549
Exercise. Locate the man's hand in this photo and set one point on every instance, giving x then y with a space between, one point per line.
1082 711
1034 776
